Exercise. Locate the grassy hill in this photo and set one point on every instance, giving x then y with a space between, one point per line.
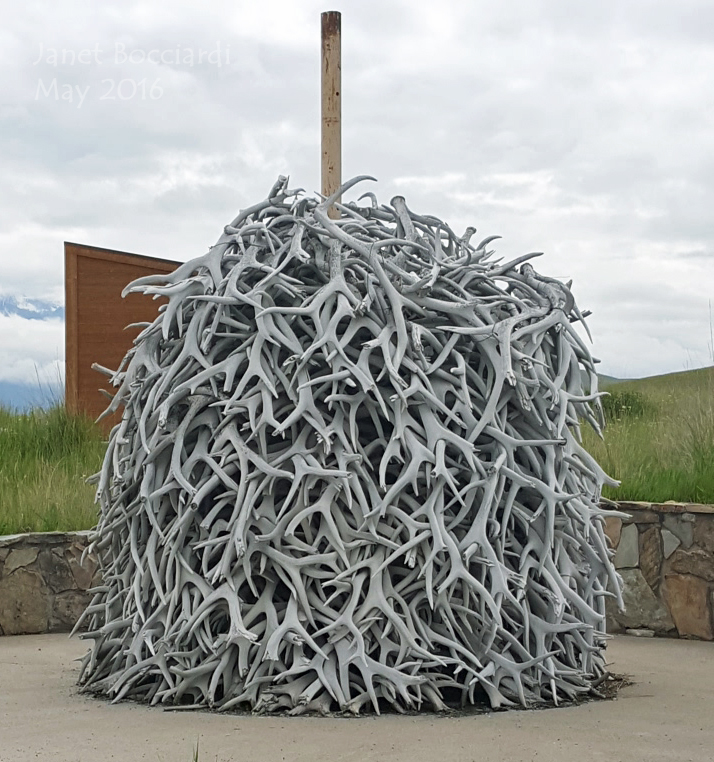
659 438
659 441
606 381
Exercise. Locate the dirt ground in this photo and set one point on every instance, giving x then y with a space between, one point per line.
666 714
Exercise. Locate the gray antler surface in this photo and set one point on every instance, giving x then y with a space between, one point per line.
348 473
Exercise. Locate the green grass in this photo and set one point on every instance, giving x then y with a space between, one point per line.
45 457
659 442
659 438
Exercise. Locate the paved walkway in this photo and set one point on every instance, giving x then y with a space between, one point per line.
668 714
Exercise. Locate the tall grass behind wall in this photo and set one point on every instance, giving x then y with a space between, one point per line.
659 442
659 438
45 457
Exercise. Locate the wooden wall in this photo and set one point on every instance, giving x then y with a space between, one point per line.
96 317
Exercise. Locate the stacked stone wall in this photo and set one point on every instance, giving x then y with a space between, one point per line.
663 551
665 555
44 581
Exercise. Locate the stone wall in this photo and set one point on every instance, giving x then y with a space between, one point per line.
665 555
43 582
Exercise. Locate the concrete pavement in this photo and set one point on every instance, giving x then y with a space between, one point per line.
667 714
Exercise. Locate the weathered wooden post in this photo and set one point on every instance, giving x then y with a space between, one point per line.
331 105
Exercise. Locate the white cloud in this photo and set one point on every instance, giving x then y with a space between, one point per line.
580 130
31 351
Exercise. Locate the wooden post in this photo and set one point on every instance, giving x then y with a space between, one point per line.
331 105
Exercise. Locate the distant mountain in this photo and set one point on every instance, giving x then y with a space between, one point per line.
603 381
30 309
607 380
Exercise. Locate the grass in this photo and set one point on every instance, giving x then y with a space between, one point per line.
45 457
659 442
659 438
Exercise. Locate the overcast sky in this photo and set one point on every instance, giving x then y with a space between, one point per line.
584 130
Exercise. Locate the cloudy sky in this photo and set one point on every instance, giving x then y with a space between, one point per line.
584 130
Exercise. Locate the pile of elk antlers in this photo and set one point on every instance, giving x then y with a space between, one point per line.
348 473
